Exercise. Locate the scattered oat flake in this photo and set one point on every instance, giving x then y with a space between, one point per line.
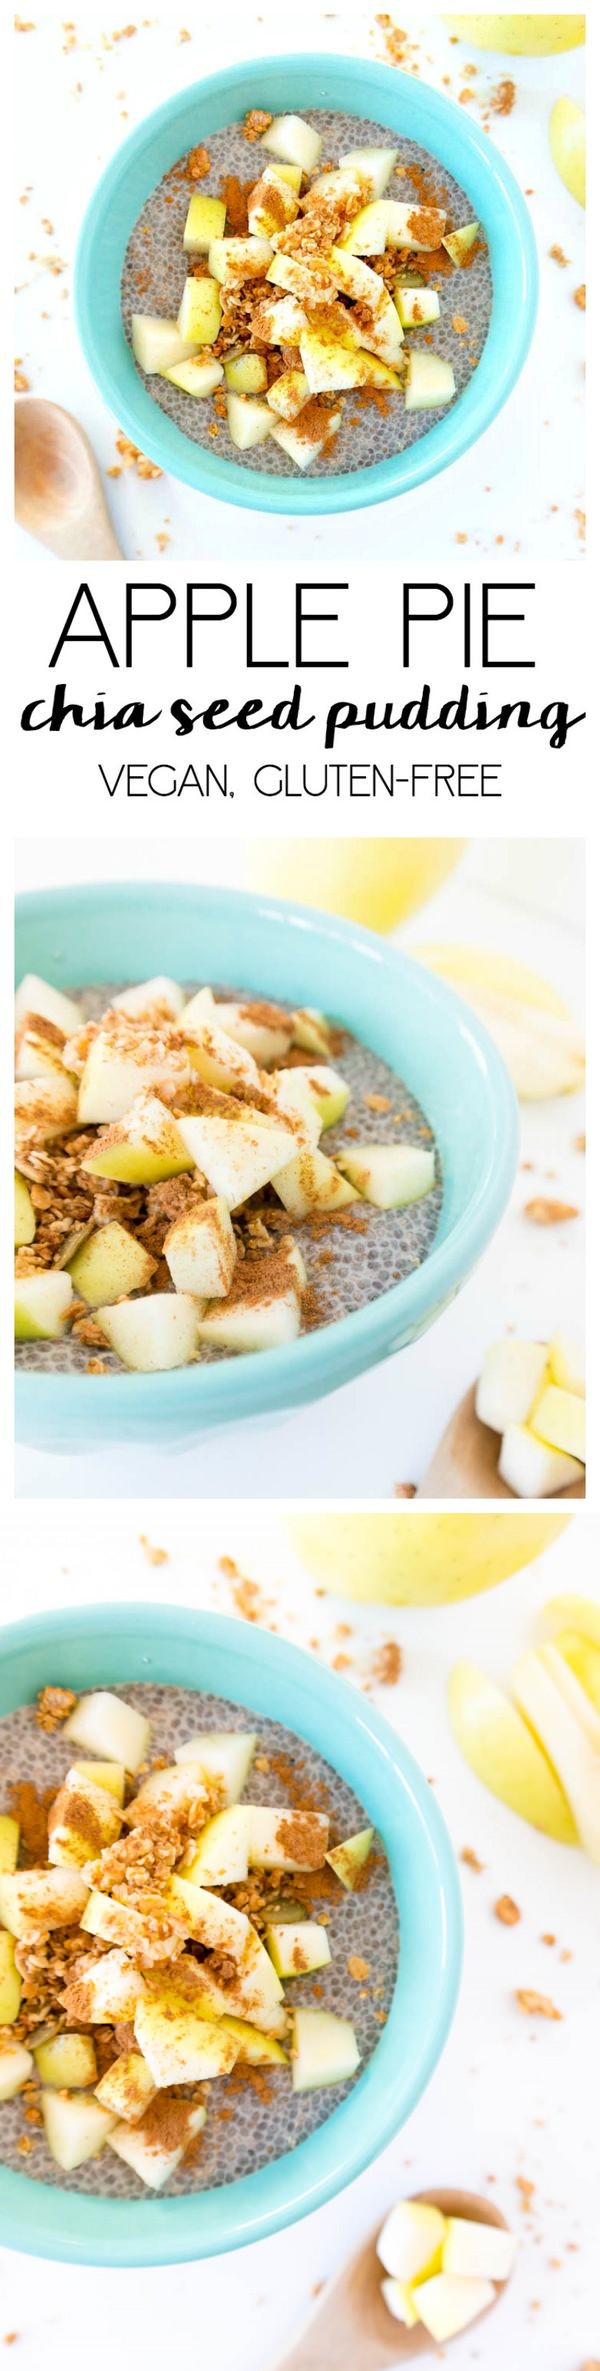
544 1212
579 297
153 1555
527 2190
470 1859
558 256
537 2004
507 1911
132 458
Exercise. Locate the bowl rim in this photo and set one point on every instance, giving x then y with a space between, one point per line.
309 1367
513 252
34 2215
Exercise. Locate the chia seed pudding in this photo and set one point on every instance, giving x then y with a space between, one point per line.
249 2122
350 1255
372 424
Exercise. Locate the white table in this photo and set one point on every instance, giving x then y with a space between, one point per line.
513 2095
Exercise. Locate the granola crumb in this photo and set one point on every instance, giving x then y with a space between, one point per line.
470 1859
559 257
358 1968
53 1707
537 2004
153 1555
543 1211
579 296
507 1911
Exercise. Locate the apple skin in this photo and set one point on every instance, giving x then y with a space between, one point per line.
418 1559
567 146
375 882
520 36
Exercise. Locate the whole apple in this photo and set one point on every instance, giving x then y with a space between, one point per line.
408 1558
520 36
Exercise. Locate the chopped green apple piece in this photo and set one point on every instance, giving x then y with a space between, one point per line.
232 262
293 1094
110 1775
9 1843
127 2087
39 1048
568 1728
158 999
177 1788
142 1148
42 1305
221 1854
510 1382
378 325
558 1418
218 1059
305 277
416 306
199 318
298 1950
254 2048
390 1175
430 381
246 374
349 1859
477 2251
294 141
237 1155
113 1922
459 244
333 359
311 1031
257 1993
200 1249
24 1213
38 996
177 2044
113 1988
262 1315
271 205
110 1262
224 1755
397 2295
16 2067
82 1820
324 2049
500 1749
311 1182
10 1981
148 2146
446 2305
205 220
44 1109
206 1919
153 1335
118 1068
304 447
279 1839
531 1468
156 346
411 2240
278 320
196 377
331 1094
386 223
67 2063
373 166
249 420
35 1901
75 2125
566 1363
264 1030
289 394
104 1724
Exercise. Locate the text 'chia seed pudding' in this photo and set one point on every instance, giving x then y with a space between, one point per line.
306 293
198 1940
199 1175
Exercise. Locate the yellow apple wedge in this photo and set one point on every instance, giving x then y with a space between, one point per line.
519 36
567 146
583 1660
532 1027
411 1558
500 1749
574 1613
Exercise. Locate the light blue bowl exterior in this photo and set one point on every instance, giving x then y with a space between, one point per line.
100 1646
352 86
407 1015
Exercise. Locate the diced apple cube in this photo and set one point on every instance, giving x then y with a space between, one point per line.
9 1843
377 324
237 1155
39 1048
477 2251
67 2063
334 360
373 165
156 346
199 318
224 1755
104 1724
156 999
206 1919
205 220
271 205
180 1787
115 1073
531 1468
566 1363
109 1263
239 1324
288 394
280 1839
16 2066
306 278
10 1981
34 1901
113 1987
249 421
76 2127
142 1148
148 2147
82 1821
200 1249
44 1109
38 996
311 1031
254 2048
177 2044
153 1335
25 1221
216 1056
390 1175
510 1382
411 2240
278 320
196 377
232 262
293 1094
446 2305
267 1039
330 1091
110 1775
416 306
430 381
324 2049
221 1854
127 2087
459 244
246 374
304 447
397 2295
386 223
113 1922
558 1418
311 1182
296 1950
42 1304
295 141
349 1859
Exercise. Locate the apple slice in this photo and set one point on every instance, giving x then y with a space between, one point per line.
378 326
304 441
114 1922
200 1249
127 2087
177 2044
307 278
256 1992
120 1063
446 2305
288 396
254 2048
558 1418
386 223
531 1468
25 1221
373 166
566 1363
10 1981
459 244
271 205
278 320
39 1049
109 1987
265 1030
416 307
42 1305
9 1843
104 1724
583 1660
430 381
324 2049
534 1030
510 1382
195 377
500 1749
246 374
280 1839
225 1756
38 996
311 1031
250 421
568 1728
111 1262
411 2240
199 317
477 2251
67 2063
297 1950
157 344
110 1775
330 1091
233 262
294 141
34 1901
205 220
567 145
44 1109
16 2067
579 1613
237 1155
75 2125
390 1175
397 2295
311 1182
260 1313
206 1919
148 2147
82 1820
333 358
175 1789
158 999
142 1148
349 1859
218 1059
293 1094
154 1335
221 1854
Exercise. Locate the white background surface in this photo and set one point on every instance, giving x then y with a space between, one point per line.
513 2095
383 1428
80 94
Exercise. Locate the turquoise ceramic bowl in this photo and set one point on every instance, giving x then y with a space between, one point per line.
98 1646
407 1015
354 86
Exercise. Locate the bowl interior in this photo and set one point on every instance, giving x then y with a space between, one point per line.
350 85
107 1645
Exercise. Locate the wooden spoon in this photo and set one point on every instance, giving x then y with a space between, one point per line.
353 2329
465 1464
59 496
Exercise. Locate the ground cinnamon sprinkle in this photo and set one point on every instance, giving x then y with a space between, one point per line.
235 195
31 1812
